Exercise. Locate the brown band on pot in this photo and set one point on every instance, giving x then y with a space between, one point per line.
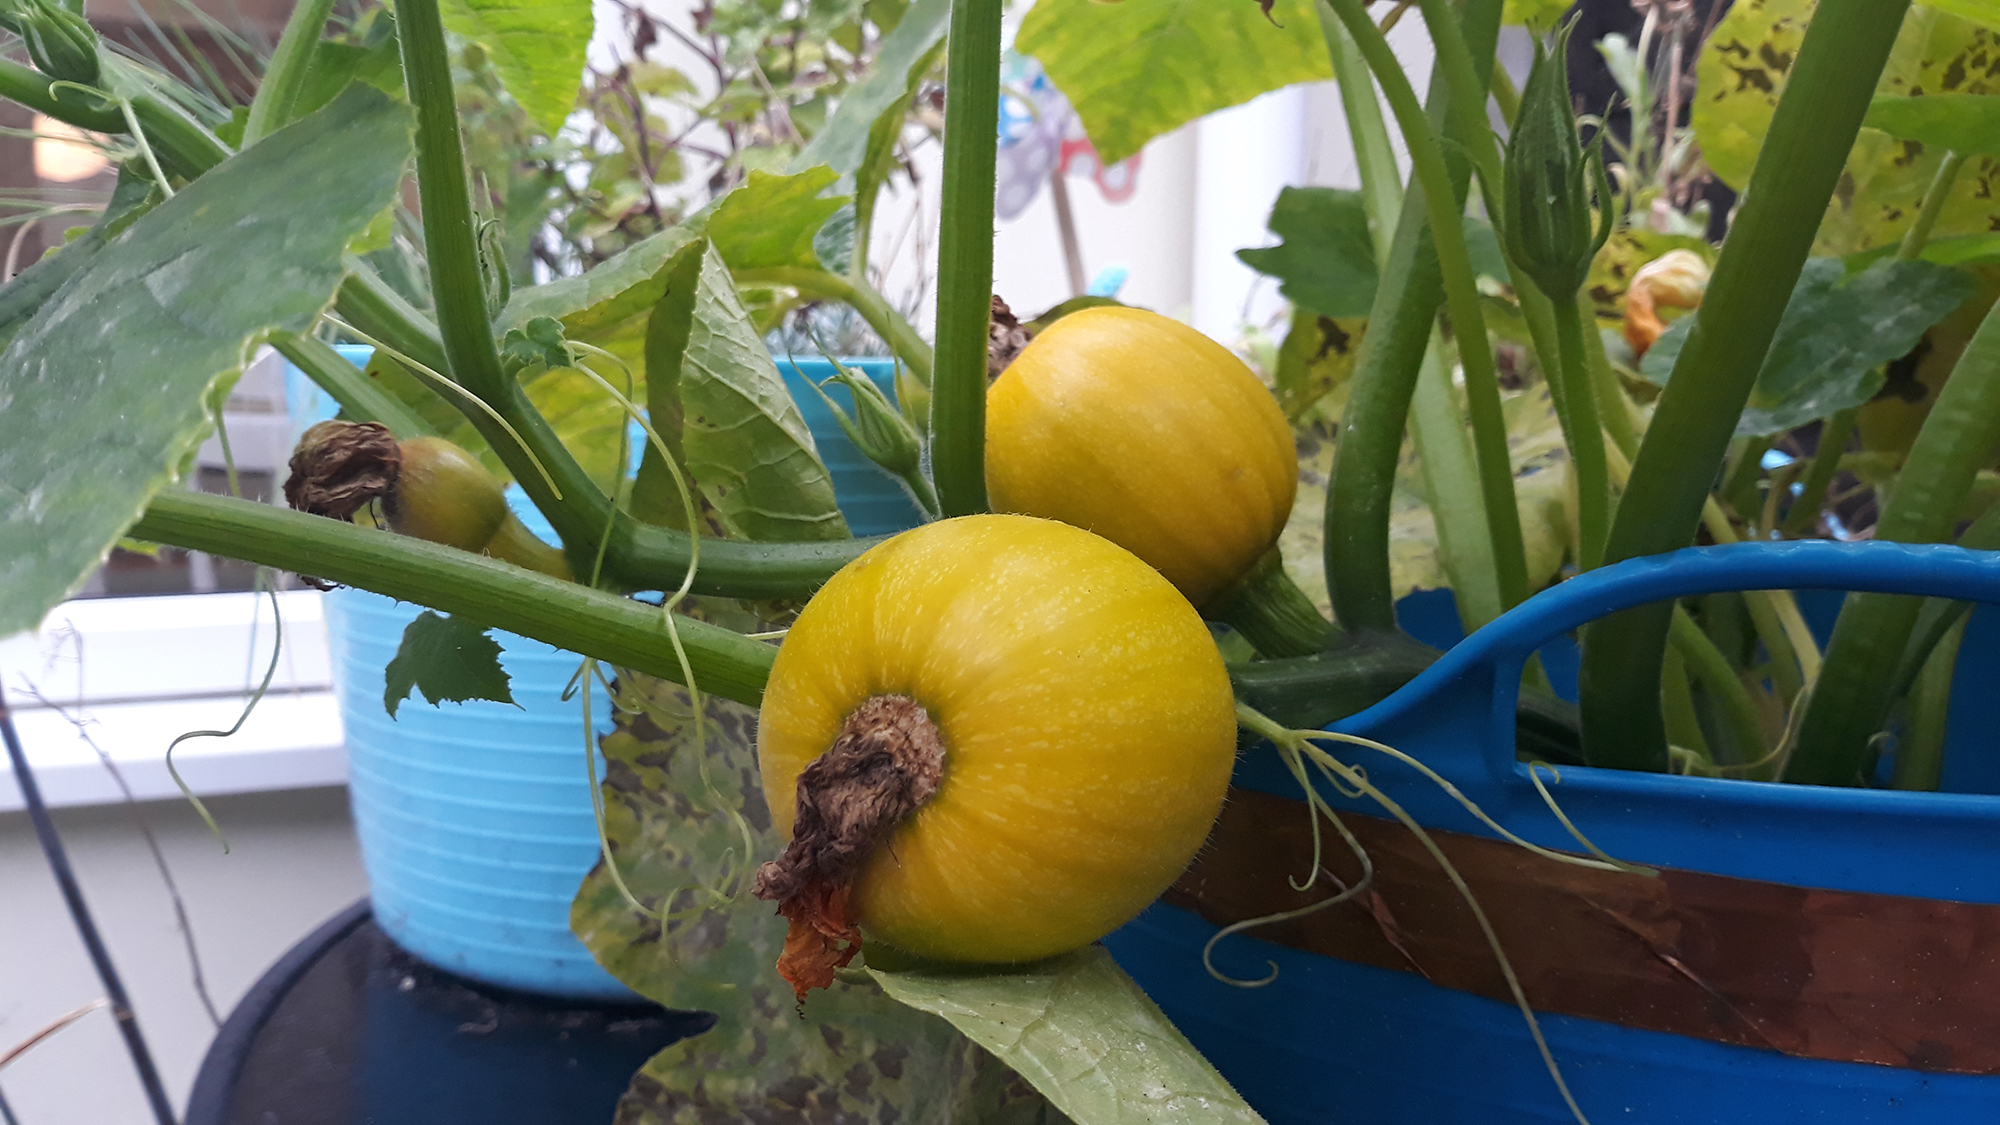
1885 979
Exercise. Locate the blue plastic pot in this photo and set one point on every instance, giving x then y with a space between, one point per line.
475 819
1336 1041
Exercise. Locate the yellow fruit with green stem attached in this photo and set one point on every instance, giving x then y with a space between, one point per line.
1073 719
1139 428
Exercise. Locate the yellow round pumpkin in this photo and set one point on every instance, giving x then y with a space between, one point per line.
1142 430
1085 717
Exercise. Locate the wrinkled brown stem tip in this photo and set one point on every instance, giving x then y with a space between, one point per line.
886 762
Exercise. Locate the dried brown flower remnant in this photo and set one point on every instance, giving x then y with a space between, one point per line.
1005 337
886 762
340 467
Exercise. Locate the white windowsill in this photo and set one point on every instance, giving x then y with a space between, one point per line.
140 671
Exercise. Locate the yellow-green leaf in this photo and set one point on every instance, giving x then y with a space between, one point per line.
1140 68
537 47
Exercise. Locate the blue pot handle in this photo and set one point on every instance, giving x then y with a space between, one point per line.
1461 709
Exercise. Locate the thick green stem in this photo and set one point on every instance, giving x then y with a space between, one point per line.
359 398
1920 752
285 75
1833 435
1451 486
1940 614
1716 674
1374 159
1683 723
1399 327
1461 289
1805 149
1852 700
1613 408
367 302
965 256
622 632
30 87
577 509
1586 436
864 300
1271 612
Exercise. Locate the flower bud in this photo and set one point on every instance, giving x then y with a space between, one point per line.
1547 182
60 42
877 428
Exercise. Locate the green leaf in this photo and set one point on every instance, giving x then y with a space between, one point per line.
616 291
1836 331
901 61
771 220
538 47
856 1055
747 446
1965 123
23 296
834 244
104 390
538 341
1326 261
1140 68
1083 1033
449 659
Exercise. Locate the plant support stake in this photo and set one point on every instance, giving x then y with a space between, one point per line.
86 927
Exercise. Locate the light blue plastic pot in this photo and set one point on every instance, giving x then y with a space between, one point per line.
1334 1041
475 819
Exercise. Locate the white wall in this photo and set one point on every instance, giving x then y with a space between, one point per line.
292 864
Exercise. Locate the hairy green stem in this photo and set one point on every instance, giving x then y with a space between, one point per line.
864 300
1833 435
622 632
359 398
1271 612
285 75
1399 328
1852 700
965 256
1805 149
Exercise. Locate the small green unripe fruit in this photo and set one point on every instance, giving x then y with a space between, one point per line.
445 495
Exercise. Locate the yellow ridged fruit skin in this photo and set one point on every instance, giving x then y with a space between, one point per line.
1140 429
443 494
1088 725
